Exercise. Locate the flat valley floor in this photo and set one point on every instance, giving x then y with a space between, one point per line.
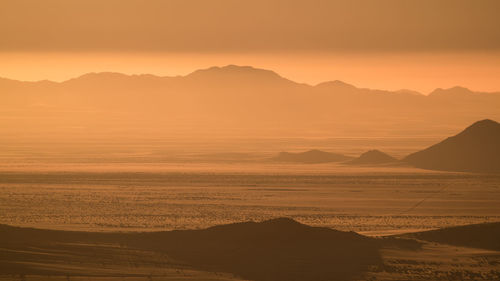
138 192
371 202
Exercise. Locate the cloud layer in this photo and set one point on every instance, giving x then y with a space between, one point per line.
249 26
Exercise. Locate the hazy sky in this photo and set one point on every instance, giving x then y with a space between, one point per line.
256 25
463 37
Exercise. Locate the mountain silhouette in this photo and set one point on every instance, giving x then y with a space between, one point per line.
278 249
484 235
451 92
475 149
336 85
275 250
373 157
239 100
311 156
234 72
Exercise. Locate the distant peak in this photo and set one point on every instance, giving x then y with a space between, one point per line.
373 152
96 75
40 82
373 156
312 151
110 76
101 74
234 70
234 67
486 124
335 84
408 92
457 90
475 149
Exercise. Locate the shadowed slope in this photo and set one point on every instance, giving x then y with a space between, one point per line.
279 249
311 156
485 236
476 149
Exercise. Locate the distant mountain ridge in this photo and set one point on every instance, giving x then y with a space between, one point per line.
457 90
239 100
231 71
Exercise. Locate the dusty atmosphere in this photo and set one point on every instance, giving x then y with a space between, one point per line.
283 140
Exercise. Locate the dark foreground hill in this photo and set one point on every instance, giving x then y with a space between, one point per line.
373 157
476 149
279 249
485 236
311 156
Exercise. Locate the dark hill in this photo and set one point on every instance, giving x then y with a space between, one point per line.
373 157
311 156
278 249
476 149
485 236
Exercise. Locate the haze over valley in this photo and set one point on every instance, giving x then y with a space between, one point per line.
263 140
232 101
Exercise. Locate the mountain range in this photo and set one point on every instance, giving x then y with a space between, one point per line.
232 100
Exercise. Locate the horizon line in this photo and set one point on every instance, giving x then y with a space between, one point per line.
238 66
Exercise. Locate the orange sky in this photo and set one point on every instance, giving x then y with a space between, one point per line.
222 26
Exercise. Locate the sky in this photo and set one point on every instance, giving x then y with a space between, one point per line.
389 44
